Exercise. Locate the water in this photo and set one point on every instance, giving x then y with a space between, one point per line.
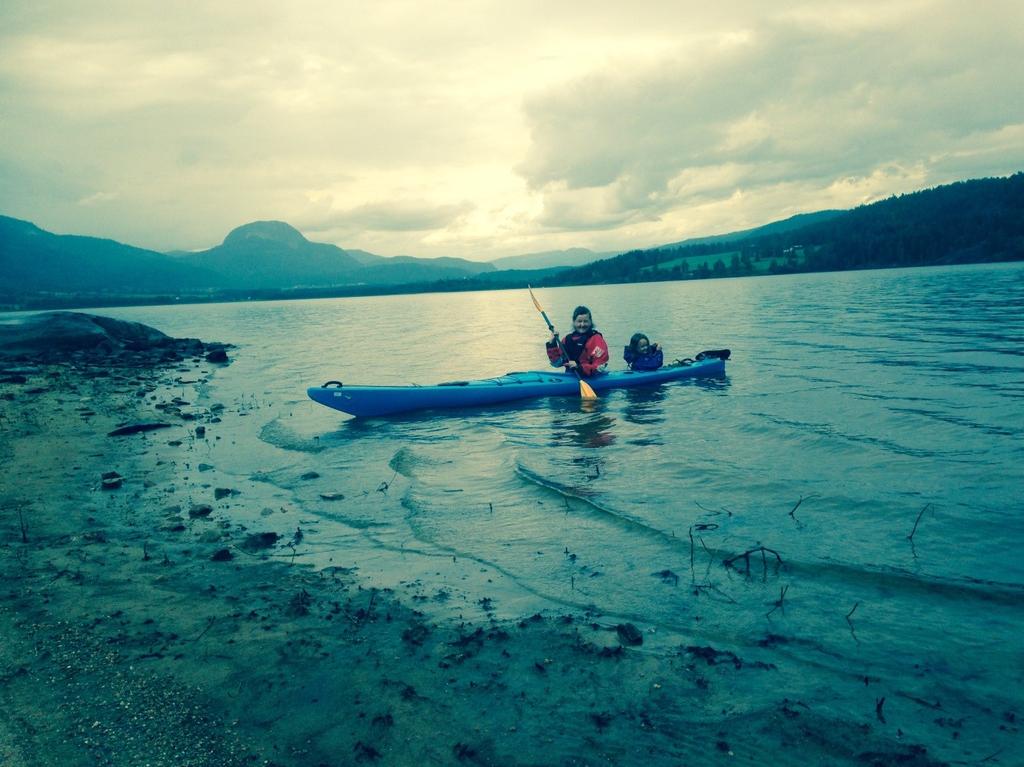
855 405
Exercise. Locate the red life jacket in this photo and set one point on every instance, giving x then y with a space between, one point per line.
588 350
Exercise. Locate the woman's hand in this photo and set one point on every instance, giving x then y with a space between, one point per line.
571 365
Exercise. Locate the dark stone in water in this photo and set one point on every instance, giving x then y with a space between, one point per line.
629 634
713 657
222 555
112 480
256 541
202 510
135 428
217 355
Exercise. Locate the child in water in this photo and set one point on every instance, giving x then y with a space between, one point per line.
641 354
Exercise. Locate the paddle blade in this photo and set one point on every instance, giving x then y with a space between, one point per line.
586 392
534 299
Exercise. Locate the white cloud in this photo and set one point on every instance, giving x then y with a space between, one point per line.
490 128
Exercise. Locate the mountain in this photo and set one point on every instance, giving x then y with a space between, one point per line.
275 255
259 256
550 258
365 258
272 254
34 260
966 222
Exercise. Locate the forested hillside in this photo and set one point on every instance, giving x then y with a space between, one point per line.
966 222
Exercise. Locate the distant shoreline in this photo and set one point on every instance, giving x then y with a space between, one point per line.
45 302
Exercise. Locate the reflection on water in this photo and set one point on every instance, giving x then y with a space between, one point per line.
644 406
582 429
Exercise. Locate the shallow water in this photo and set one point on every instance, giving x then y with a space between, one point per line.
855 405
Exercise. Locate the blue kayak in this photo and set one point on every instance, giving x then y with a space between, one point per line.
388 400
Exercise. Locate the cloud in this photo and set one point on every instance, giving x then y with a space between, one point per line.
400 216
489 128
812 98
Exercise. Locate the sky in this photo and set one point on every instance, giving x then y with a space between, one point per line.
483 129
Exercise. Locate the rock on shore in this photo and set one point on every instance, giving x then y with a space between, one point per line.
53 336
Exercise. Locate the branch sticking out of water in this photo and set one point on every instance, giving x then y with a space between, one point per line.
383 486
745 556
713 511
792 512
780 602
917 522
850 623
692 576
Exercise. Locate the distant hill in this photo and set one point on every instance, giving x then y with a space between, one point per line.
776 227
275 255
965 222
550 258
34 260
272 254
260 256
404 269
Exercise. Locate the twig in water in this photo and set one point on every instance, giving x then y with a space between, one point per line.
702 587
745 556
849 623
383 486
917 521
21 523
723 510
711 558
692 577
878 709
802 499
209 626
779 603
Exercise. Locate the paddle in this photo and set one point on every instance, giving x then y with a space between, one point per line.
586 392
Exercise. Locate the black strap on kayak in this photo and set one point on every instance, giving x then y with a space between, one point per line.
330 384
721 354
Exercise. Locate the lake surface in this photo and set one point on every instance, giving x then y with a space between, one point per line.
855 405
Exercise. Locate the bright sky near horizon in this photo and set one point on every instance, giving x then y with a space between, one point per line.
481 129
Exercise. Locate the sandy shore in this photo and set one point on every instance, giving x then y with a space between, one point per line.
141 624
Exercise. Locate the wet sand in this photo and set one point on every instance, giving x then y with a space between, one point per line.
142 623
